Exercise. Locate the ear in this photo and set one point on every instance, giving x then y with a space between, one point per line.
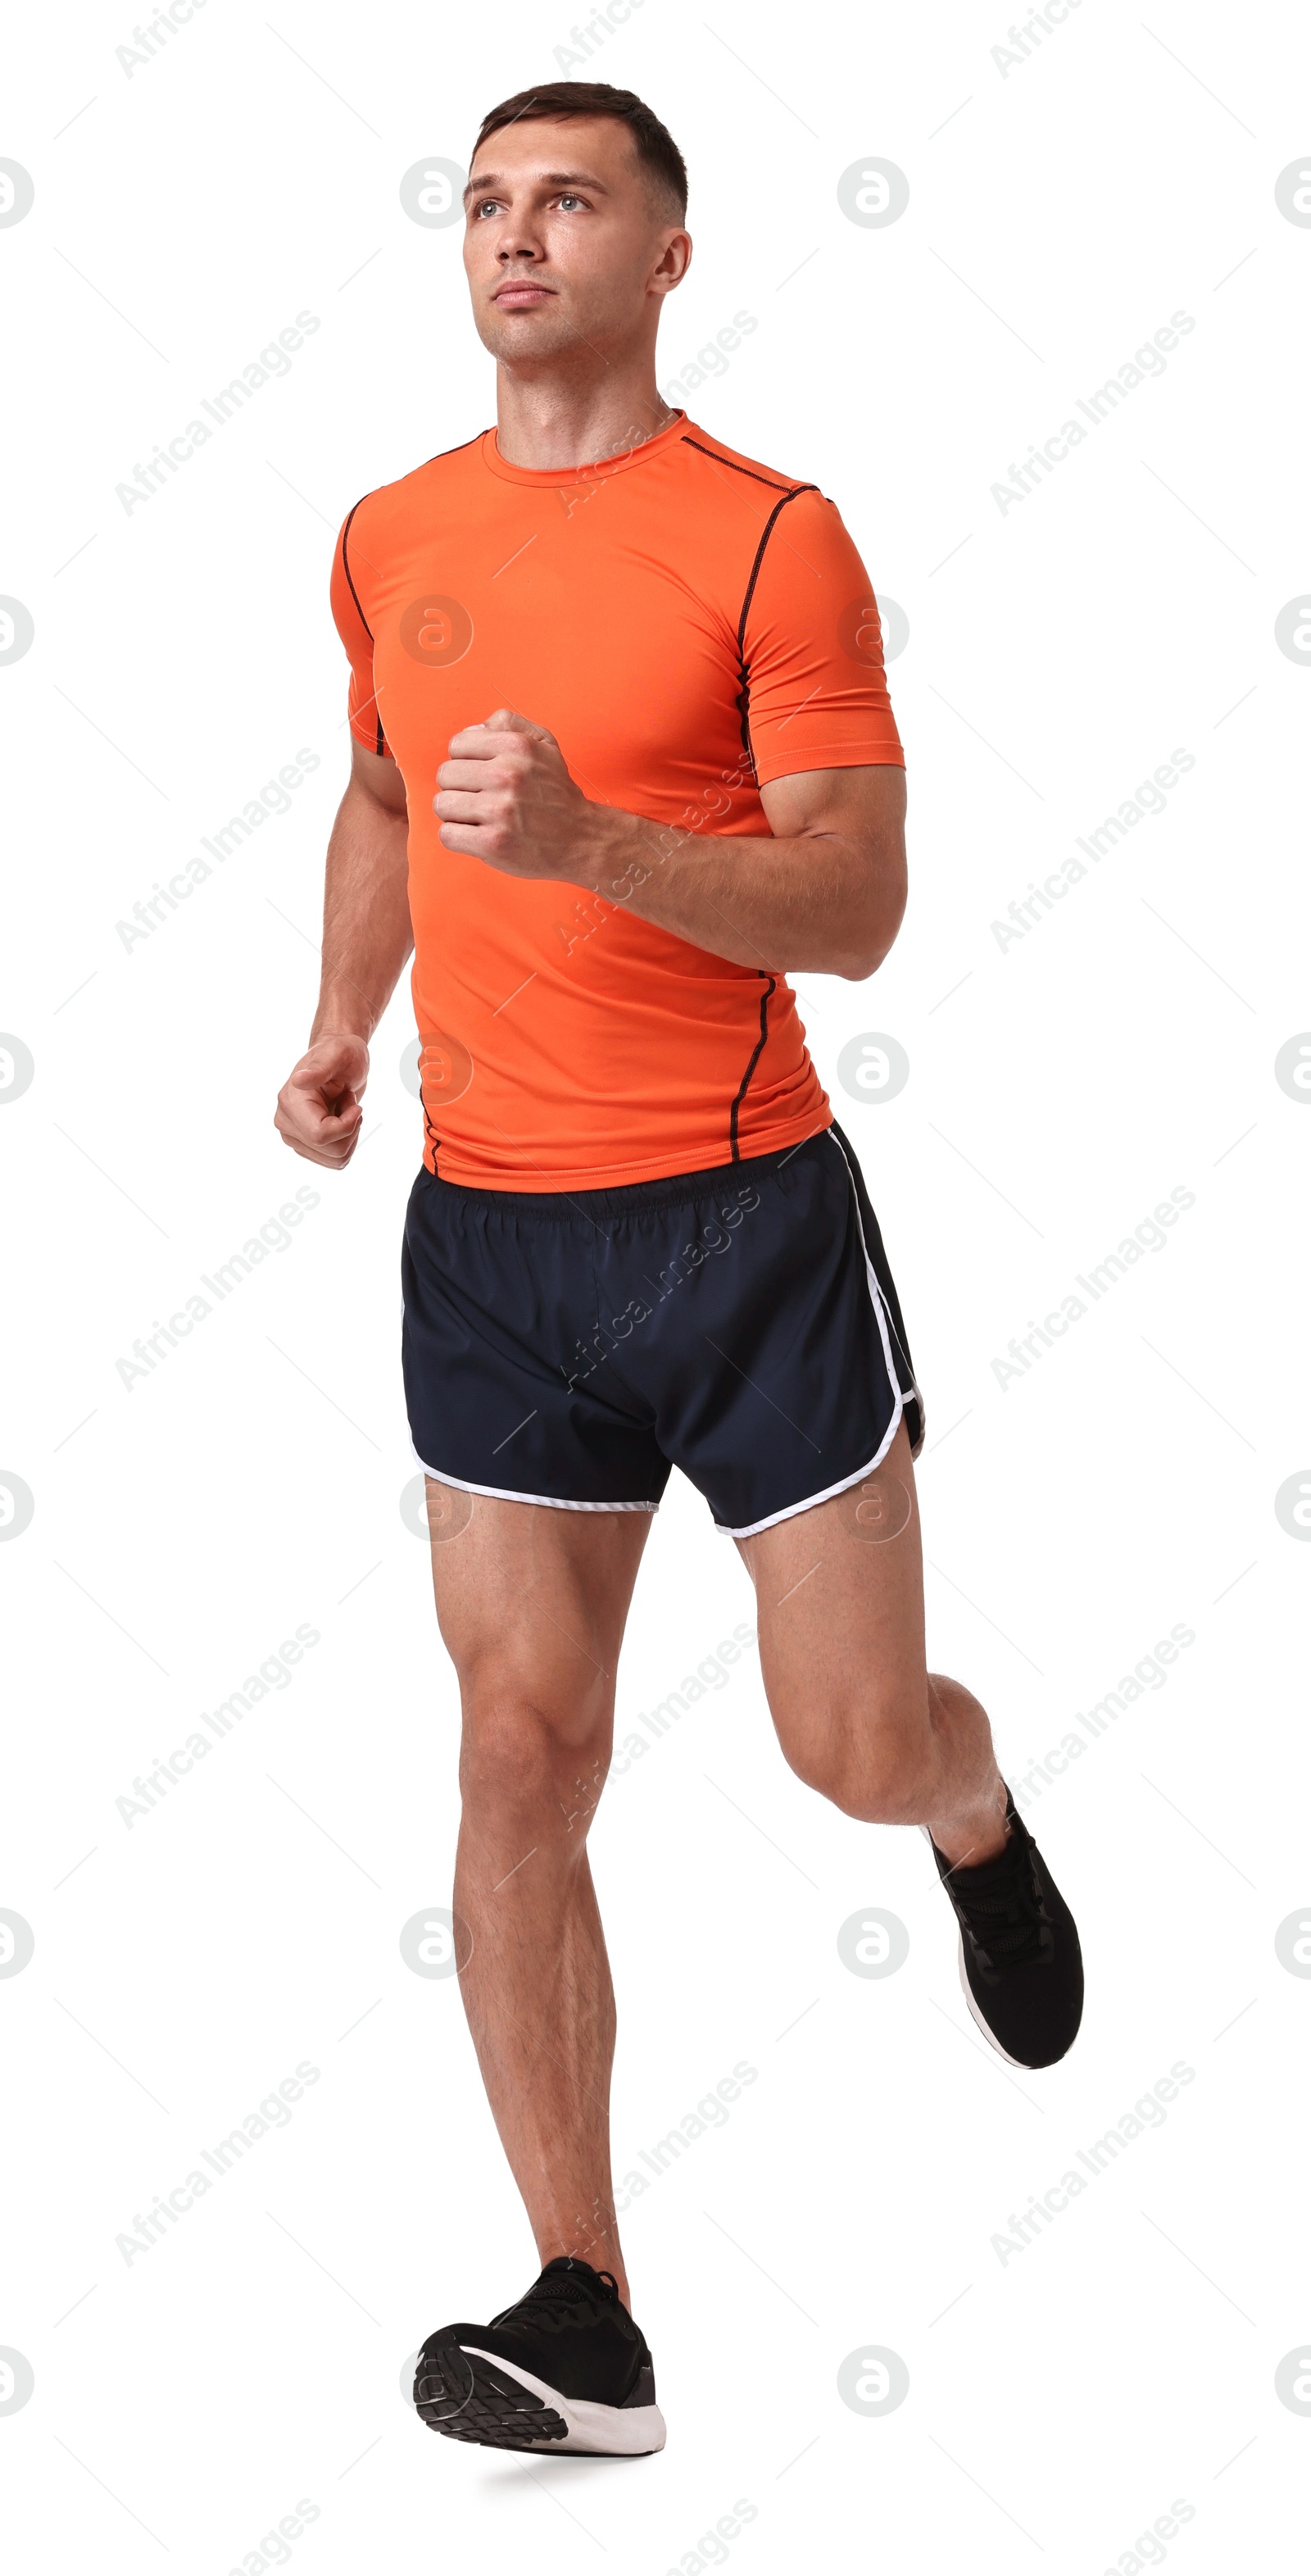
671 267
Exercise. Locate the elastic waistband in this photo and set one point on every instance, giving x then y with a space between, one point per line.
680 1189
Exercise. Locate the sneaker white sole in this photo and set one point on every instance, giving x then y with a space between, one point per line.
620 2432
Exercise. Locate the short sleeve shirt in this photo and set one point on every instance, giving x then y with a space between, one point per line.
689 625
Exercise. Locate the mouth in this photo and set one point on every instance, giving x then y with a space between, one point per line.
519 293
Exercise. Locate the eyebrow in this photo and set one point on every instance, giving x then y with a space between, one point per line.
488 181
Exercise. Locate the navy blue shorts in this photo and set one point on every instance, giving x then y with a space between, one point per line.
740 1323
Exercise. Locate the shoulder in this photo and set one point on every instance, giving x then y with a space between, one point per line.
390 508
710 457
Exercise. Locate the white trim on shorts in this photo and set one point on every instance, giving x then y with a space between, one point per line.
500 1494
809 1502
886 1325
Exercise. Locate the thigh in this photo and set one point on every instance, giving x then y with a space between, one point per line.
532 1602
840 1610
507 1385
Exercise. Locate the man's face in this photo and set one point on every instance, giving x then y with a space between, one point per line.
566 246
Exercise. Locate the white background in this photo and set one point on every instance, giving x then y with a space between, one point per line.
1060 212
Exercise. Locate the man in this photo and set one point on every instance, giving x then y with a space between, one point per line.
643 674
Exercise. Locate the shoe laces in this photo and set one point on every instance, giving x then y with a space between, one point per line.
1005 1915
563 2282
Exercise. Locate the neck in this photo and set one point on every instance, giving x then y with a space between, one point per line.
548 421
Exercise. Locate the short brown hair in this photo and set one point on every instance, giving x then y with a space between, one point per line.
652 141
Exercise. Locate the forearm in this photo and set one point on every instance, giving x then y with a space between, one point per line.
815 902
821 892
367 935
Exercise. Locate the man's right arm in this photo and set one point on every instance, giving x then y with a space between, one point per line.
366 940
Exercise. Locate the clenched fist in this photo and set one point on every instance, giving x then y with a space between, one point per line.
319 1112
505 796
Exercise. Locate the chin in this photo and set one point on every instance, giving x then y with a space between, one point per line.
539 331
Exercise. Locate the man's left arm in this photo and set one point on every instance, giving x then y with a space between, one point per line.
822 893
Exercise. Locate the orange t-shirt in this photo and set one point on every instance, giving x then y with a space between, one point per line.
688 624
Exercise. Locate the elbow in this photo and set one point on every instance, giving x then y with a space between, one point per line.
861 963
872 936
862 956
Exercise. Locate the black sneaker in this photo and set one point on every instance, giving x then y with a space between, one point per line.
564 2369
1021 1968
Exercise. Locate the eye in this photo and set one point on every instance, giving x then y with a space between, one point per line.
485 206
568 200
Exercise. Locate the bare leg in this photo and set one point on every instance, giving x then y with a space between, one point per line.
531 1603
840 1610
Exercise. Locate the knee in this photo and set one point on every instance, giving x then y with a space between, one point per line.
523 1750
873 1771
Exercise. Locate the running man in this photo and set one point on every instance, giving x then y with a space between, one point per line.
643 675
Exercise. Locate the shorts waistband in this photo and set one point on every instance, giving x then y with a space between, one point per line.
679 1189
